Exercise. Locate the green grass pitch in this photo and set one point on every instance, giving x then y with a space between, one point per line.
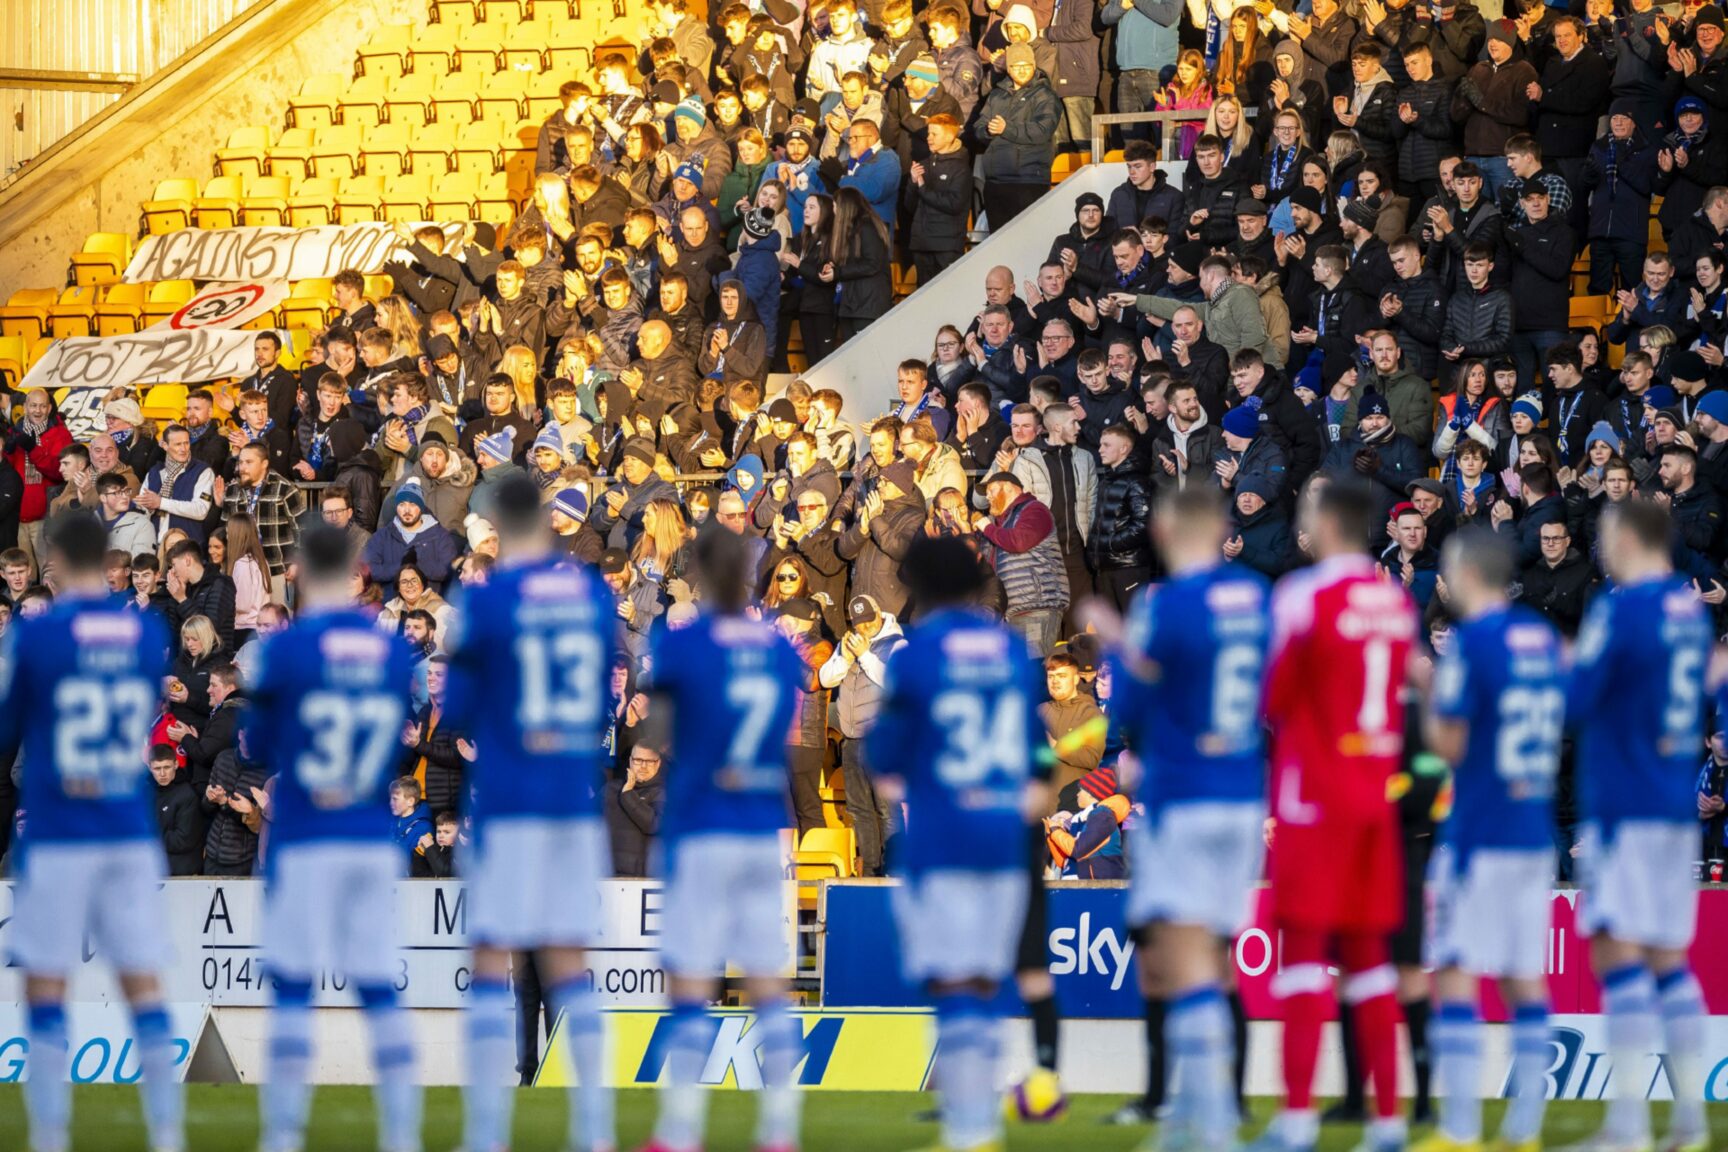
224 1119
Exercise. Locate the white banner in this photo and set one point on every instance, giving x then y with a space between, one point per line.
260 254
103 1048
215 927
143 358
224 306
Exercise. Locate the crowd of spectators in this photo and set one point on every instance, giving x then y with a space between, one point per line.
1362 274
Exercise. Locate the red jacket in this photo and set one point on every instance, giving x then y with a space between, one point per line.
46 457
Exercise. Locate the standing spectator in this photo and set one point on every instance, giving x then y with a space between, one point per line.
1118 546
275 506
1569 100
889 516
176 813
199 589
411 825
857 671
800 621
32 447
940 197
1146 42
633 809
244 562
1541 247
1027 561
857 265
232 799
1017 125
1620 174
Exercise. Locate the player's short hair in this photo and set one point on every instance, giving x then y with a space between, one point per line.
78 543
724 565
942 570
1189 507
1644 522
1483 551
516 507
324 553
1349 508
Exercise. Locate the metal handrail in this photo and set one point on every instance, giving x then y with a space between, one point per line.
1101 122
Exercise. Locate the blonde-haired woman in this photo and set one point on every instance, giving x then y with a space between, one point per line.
520 364
660 553
189 683
1241 150
395 314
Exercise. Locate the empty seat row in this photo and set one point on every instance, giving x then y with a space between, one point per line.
419 99
385 150
313 201
398 51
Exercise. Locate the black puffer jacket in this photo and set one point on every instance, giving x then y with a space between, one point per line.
1291 427
1023 153
1118 538
942 205
229 843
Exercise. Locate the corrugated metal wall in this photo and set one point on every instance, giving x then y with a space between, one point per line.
117 36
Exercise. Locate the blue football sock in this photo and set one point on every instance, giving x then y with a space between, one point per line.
486 1101
591 1122
48 1092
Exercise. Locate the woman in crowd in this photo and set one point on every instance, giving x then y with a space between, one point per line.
246 565
1190 89
1470 411
809 296
858 265
415 594
189 680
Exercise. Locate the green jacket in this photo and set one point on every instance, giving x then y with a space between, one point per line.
1232 319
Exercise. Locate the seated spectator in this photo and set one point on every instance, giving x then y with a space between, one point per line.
1087 844
411 537
447 843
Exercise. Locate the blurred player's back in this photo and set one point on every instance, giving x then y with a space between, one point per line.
328 712
327 716
80 687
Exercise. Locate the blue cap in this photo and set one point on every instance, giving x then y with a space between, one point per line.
1243 422
1713 405
1528 406
1660 396
573 502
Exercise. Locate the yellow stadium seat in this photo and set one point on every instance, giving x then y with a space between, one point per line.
121 311
1590 310
165 299
503 96
501 11
219 206
38 349
266 202
244 153
102 259
824 854
313 202
456 97
386 150
308 304
478 47
378 286
74 314
364 101
492 203
291 155
170 206
567 47
294 351
432 149
460 12
543 96
525 47
477 145
358 201
164 402
434 49
552 10
25 314
452 196
410 99
315 104
405 198
13 352
337 152
386 52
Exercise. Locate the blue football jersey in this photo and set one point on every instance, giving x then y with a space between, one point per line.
1502 676
1636 702
959 725
1189 683
80 689
730 683
326 717
530 668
